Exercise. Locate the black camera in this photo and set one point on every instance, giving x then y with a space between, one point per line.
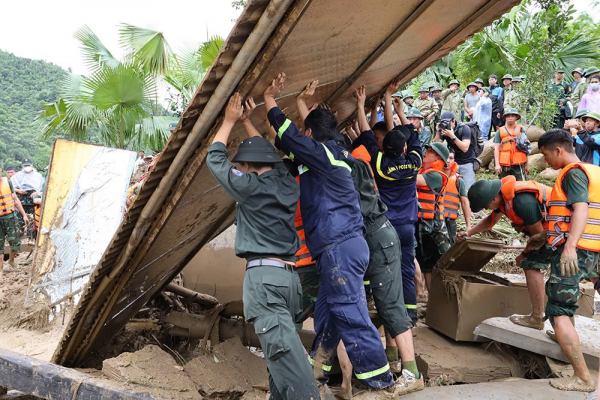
444 125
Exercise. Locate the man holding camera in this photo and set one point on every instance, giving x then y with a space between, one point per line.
458 137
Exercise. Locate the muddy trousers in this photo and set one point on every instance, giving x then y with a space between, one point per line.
384 275
341 313
272 298
406 233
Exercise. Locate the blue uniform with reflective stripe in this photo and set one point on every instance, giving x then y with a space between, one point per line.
329 204
588 150
333 225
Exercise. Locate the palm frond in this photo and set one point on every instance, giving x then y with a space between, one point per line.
147 46
210 50
95 54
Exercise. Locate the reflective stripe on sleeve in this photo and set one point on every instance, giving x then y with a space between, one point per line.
283 128
334 161
324 367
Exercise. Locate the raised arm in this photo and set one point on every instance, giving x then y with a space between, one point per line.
361 97
399 107
388 114
273 90
374 114
307 93
233 113
249 107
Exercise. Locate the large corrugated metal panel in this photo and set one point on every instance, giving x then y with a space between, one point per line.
343 44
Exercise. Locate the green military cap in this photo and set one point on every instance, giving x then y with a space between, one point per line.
523 77
453 81
482 193
424 89
432 84
592 115
407 94
486 89
590 71
472 84
441 149
581 113
560 69
414 113
436 89
397 94
507 76
511 111
479 80
517 79
258 150
577 70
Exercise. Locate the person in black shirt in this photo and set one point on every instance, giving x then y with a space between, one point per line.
459 138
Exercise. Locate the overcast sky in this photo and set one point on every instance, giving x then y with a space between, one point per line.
42 29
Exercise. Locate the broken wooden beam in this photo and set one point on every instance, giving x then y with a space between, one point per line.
50 381
194 325
192 295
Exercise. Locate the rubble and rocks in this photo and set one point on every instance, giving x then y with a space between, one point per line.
456 362
537 162
154 369
549 174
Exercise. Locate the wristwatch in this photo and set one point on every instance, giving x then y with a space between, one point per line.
454 138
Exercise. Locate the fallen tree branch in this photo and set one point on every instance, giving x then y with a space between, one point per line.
192 295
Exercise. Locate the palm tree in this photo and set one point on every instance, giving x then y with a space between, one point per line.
119 99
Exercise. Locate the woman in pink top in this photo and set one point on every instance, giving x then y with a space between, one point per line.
591 98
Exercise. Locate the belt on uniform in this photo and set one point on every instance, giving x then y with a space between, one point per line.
267 262
386 224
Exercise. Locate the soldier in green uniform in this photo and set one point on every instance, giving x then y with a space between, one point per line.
266 196
437 96
509 91
453 100
9 227
415 117
558 88
479 83
582 88
407 98
427 107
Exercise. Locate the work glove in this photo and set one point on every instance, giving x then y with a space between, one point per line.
568 265
536 242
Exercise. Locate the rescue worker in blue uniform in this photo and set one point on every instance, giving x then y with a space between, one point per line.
396 178
334 231
266 196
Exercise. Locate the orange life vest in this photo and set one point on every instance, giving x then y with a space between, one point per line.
7 202
361 153
510 188
509 155
431 203
38 211
303 257
452 197
559 216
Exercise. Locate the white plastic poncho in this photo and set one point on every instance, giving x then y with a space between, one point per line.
28 181
483 116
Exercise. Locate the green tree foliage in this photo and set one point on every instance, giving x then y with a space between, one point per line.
533 39
23 84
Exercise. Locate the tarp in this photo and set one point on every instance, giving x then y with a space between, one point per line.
82 208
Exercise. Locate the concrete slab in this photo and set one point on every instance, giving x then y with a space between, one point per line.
504 331
458 362
508 390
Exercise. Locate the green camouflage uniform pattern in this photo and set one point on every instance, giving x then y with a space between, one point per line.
578 95
518 171
426 106
310 279
563 292
452 102
432 242
538 259
9 231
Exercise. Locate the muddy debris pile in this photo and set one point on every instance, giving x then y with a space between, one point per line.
229 371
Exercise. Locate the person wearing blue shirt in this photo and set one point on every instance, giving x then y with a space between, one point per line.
587 141
334 230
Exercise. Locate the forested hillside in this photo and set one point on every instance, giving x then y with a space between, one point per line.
23 84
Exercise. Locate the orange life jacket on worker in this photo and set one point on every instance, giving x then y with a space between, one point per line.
303 257
7 202
509 154
431 203
361 153
452 194
510 188
37 215
559 216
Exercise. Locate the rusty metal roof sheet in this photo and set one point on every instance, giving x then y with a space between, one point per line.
343 43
